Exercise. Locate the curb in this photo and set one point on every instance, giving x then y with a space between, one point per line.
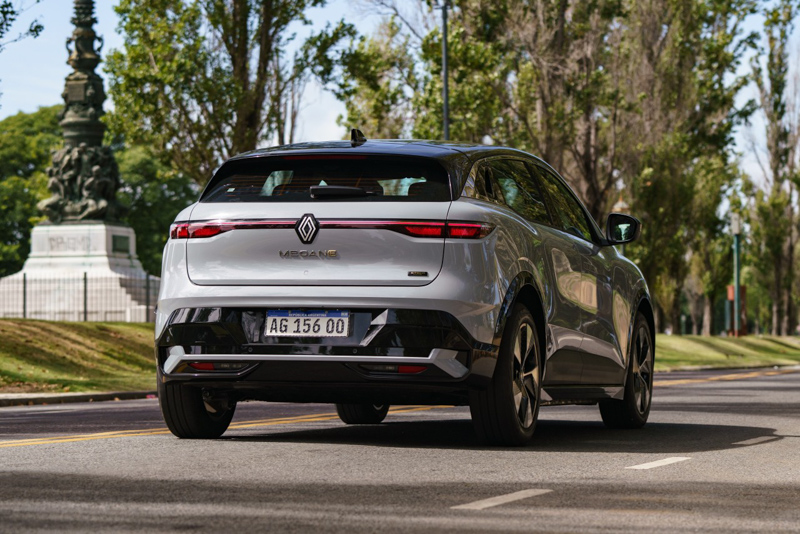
31 399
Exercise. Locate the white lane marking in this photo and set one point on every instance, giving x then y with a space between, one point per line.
501 499
659 463
756 441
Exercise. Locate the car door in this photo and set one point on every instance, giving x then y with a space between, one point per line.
563 363
600 354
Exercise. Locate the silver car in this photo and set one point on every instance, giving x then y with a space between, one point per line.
372 273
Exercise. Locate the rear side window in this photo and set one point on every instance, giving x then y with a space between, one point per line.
289 179
513 177
568 212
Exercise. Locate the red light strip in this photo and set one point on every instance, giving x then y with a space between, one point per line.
422 229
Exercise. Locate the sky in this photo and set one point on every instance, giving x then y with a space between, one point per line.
32 71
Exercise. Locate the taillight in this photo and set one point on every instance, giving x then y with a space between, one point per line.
179 231
468 230
421 229
207 230
198 230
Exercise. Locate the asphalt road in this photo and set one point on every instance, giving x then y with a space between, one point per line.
721 453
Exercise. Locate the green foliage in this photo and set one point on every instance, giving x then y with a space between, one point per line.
773 209
607 91
155 194
377 83
18 197
200 81
26 141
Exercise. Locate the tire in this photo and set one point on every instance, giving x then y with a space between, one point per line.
507 411
188 416
362 414
633 410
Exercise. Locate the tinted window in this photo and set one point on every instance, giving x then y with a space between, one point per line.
486 186
288 179
519 192
569 214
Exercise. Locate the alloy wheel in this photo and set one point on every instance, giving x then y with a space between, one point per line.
642 370
525 375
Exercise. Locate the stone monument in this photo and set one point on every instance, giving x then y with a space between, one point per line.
83 238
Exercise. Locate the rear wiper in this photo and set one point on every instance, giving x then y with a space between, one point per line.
320 191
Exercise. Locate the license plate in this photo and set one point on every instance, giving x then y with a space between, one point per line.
295 323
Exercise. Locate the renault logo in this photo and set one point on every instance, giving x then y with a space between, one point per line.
307 228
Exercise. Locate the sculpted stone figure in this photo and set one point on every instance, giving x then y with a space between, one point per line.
84 177
84 181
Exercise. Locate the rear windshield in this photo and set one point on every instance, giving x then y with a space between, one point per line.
289 179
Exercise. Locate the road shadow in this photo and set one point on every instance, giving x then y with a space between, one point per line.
550 436
78 502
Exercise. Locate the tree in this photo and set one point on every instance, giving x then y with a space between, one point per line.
155 194
200 81
773 206
682 71
26 141
638 93
379 83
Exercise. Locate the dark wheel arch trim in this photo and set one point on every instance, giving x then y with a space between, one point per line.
524 289
645 307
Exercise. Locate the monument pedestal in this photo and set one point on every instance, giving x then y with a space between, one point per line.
80 271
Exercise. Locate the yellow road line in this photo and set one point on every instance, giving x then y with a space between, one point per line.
152 432
733 376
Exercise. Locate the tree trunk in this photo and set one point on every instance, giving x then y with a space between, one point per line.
777 293
775 313
658 319
675 314
708 317
786 323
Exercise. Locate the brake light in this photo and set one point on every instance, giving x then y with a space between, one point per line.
468 230
195 230
179 231
423 229
207 230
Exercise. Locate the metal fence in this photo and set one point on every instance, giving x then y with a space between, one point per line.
124 297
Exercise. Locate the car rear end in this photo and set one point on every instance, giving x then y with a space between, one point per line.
332 274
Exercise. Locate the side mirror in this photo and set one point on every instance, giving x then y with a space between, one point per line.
621 229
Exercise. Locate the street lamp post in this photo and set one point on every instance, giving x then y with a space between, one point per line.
445 95
736 230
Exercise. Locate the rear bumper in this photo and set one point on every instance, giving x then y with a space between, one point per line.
391 355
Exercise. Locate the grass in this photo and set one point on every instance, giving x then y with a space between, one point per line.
675 352
44 356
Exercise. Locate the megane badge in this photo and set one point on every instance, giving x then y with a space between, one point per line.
307 228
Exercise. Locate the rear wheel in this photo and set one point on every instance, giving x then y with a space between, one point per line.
506 412
191 416
362 414
632 411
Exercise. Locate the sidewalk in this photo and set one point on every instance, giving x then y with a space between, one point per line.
30 399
